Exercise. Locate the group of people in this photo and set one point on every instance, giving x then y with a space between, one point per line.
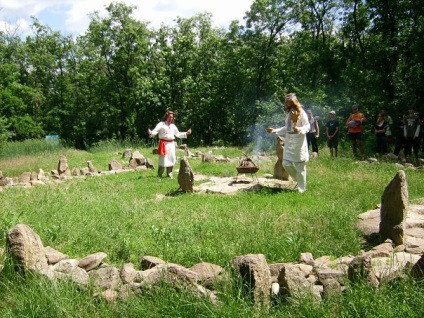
408 137
302 130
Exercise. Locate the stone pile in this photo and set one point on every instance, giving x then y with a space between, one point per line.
399 228
137 162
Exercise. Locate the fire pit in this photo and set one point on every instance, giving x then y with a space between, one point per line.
247 166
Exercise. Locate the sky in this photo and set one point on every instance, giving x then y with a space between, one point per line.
72 16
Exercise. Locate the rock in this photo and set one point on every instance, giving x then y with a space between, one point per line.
394 203
417 270
149 163
26 248
128 273
307 258
127 153
25 178
185 176
54 256
361 267
92 261
148 262
63 168
114 165
293 280
106 278
68 269
75 172
256 278
209 274
90 167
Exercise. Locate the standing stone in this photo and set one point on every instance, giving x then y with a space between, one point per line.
63 168
114 165
256 277
91 168
279 172
26 248
394 204
185 176
41 175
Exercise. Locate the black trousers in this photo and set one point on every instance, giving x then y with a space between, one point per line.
312 140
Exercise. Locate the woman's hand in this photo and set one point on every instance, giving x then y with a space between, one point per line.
149 131
270 130
188 132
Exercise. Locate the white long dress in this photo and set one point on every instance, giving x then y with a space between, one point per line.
168 133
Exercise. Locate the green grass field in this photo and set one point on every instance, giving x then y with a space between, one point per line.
130 215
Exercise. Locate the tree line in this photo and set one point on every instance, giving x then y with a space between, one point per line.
120 76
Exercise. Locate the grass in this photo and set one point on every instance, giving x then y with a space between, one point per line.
134 214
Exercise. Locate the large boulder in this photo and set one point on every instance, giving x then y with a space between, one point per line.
26 248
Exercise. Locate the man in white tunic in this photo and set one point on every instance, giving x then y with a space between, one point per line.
167 131
295 144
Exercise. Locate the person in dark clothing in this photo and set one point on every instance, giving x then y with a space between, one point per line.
313 134
411 133
400 139
380 128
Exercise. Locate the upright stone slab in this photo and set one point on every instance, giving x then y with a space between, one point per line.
185 176
26 248
394 204
256 277
63 168
90 167
279 172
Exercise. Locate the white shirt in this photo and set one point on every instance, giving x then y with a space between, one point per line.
295 144
167 132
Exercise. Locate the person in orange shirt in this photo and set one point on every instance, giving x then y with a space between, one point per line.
355 124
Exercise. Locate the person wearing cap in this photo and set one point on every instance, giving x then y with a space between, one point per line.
411 133
295 145
313 134
167 131
355 130
332 132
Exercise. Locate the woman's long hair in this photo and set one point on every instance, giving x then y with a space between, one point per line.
292 98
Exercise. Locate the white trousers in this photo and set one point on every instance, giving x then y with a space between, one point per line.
297 171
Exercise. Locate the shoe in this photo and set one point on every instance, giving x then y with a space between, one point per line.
170 175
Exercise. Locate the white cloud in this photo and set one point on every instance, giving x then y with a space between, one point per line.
71 16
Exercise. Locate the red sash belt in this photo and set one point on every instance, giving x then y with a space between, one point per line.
161 147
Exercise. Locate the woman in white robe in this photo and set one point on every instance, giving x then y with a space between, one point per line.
167 131
295 144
